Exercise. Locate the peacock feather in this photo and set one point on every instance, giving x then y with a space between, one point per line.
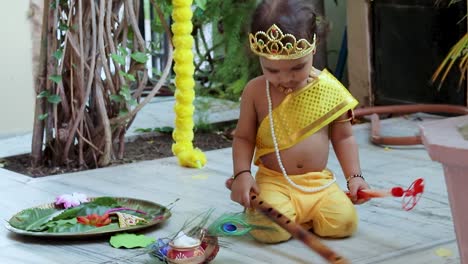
233 224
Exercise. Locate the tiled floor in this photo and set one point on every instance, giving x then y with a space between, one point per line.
387 234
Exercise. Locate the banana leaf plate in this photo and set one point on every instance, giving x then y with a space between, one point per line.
42 214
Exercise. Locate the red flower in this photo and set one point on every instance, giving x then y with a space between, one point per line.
94 220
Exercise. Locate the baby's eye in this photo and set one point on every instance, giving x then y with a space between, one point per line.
272 71
298 68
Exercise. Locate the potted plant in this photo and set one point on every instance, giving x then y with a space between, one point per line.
446 142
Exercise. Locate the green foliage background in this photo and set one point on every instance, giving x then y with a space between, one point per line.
225 74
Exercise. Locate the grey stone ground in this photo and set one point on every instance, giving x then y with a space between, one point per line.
387 234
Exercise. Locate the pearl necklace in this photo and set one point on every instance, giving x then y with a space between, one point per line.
278 157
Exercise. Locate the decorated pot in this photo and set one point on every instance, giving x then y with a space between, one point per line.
210 245
186 255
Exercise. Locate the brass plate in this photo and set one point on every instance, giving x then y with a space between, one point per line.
125 202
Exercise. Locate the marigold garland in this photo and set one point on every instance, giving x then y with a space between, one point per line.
184 69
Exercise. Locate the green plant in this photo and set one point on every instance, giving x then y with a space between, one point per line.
91 76
164 130
463 130
223 67
458 53
232 67
202 107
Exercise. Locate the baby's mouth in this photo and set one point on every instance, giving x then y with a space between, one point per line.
285 89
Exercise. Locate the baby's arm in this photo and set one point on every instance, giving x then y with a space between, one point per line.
243 147
346 151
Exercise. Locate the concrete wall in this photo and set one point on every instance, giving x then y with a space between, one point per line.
16 88
336 15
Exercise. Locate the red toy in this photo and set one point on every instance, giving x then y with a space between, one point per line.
410 196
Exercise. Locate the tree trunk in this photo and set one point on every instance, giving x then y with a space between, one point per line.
87 113
40 73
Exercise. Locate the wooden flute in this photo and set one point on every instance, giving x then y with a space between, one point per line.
297 231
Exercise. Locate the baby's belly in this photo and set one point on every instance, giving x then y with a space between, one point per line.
309 155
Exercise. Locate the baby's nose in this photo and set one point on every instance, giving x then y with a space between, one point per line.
285 78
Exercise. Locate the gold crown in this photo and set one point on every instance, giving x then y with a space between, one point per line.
275 45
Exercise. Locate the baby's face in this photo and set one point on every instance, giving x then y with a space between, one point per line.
288 74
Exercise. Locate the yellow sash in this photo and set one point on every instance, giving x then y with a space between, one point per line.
304 112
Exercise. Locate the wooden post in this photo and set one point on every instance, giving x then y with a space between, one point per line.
359 51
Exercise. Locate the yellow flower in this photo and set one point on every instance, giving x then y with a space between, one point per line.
179 3
182 14
180 70
184 69
183 84
184 109
182 28
183 42
186 97
183 137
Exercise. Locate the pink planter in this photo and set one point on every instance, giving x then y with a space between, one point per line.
445 145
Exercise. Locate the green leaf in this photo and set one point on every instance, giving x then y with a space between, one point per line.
116 98
127 76
57 226
165 129
33 219
83 210
62 222
58 54
156 72
105 201
122 73
143 130
54 99
118 58
463 130
132 102
201 4
123 112
98 206
56 78
123 51
130 36
112 226
63 27
43 94
125 92
80 228
43 116
131 241
139 57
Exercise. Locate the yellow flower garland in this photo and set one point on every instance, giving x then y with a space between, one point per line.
184 69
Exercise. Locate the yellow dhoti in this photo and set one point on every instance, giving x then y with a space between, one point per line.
327 213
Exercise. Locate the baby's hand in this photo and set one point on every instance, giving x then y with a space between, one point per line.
356 184
314 73
241 188
228 183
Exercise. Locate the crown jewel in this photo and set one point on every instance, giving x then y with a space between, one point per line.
275 45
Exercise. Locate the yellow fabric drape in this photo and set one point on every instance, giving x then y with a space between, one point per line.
303 113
